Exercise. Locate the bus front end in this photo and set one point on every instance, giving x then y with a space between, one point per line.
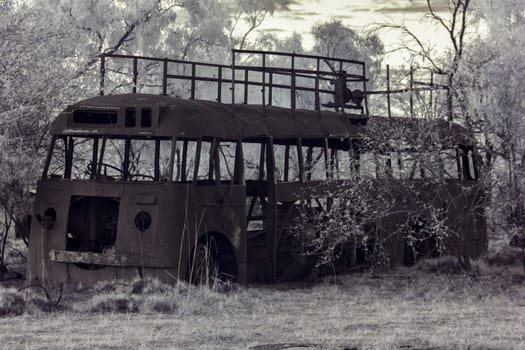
98 205
91 231
124 197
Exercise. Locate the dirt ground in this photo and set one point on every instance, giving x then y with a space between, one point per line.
403 310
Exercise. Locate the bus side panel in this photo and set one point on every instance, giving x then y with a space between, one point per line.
222 210
177 222
44 238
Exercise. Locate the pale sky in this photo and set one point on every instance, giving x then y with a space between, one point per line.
361 15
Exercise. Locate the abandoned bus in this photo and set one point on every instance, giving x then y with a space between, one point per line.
139 184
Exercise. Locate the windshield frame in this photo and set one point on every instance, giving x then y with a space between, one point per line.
62 149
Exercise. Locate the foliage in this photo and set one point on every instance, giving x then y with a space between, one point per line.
483 68
30 86
394 198
333 39
489 89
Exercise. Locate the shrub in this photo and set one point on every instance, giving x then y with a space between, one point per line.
12 303
150 286
113 303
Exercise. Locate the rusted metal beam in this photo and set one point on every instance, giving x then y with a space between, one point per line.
102 73
135 75
108 259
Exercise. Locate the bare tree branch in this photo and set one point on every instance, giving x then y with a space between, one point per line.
424 51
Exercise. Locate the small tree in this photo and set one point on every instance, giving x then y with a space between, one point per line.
30 84
489 84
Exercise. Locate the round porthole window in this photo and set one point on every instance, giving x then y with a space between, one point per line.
142 221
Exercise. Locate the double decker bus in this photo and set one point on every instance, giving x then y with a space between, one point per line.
143 184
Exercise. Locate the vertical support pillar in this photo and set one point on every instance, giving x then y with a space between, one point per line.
184 163
286 163
317 100
263 91
127 150
135 75
193 73
388 102
449 98
233 77
219 84
411 88
300 159
292 85
156 171
102 73
165 77
431 103
197 161
50 153
271 208
171 165
270 84
246 78
365 94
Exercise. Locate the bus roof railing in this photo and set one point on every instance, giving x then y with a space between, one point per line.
255 77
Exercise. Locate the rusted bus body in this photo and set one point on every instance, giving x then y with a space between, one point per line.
158 251
181 211
232 174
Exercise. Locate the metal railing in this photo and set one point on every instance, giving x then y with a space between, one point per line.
254 75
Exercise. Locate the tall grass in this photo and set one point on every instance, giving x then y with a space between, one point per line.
437 279
429 305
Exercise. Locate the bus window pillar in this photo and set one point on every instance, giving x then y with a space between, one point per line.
271 209
239 175
300 158
172 163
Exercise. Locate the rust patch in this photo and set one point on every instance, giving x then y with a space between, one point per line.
107 259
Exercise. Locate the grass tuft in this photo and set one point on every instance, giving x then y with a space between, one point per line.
12 302
165 304
150 286
113 303
35 305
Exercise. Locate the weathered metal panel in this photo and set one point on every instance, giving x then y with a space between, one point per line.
106 259
195 119
282 123
251 121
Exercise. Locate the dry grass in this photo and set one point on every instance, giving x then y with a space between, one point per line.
391 311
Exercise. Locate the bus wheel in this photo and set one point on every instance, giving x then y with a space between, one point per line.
204 266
